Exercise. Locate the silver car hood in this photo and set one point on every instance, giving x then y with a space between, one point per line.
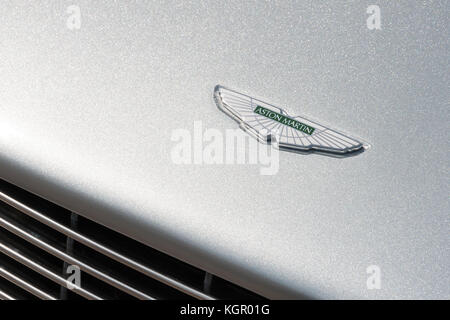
86 118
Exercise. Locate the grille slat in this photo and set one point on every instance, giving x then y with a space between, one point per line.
13 254
25 285
103 249
5 296
46 239
69 259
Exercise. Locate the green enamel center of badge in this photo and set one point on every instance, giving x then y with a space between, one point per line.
284 120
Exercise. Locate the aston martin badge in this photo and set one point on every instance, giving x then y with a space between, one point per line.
273 125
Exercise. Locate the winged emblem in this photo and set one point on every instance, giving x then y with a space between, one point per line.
271 124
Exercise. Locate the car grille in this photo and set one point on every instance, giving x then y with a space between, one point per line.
40 240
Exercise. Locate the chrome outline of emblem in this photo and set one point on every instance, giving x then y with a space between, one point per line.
272 125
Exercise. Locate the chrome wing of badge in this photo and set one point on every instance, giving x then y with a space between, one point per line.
272 125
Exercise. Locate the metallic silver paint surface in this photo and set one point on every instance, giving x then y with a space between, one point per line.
86 118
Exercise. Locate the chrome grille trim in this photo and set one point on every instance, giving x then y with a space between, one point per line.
69 259
43 271
5 296
39 240
25 285
104 250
